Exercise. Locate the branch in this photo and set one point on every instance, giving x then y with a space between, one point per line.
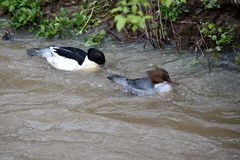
113 34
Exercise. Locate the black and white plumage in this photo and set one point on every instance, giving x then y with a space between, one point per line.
70 58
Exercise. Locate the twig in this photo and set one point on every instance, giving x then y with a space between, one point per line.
160 22
113 34
145 26
207 55
125 30
199 11
176 41
159 35
88 19
107 18
185 22
140 38
144 46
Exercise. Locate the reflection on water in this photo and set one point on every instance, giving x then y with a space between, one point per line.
51 114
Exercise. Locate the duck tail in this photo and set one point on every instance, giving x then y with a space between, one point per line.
121 80
39 52
114 76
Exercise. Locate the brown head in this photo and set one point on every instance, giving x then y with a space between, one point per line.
159 75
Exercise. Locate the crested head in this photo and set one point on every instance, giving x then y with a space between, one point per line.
96 56
159 75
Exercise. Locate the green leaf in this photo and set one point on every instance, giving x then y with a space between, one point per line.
121 21
5 3
125 10
102 32
220 30
123 2
11 8
211 25
134 9
132 18
134 28
148 17
218 48
118 9
214 37
166 3
145 4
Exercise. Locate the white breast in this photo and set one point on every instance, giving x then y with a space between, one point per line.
163 87
88 65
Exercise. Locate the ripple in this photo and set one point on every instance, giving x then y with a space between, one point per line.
51 114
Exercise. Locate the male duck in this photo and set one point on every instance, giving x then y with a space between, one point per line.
70 58
158 81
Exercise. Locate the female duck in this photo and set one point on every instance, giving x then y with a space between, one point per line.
158 81
70 58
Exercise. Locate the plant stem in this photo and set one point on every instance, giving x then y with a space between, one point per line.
87 20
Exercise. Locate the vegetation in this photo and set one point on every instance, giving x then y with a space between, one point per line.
95 39
23 12
219 37
173 11
210 4
130 14
57 26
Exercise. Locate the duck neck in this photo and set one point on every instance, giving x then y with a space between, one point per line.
89 65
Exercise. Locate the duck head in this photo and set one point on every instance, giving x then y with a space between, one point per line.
159 75
96 56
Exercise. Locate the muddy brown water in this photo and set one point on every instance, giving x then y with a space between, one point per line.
57 115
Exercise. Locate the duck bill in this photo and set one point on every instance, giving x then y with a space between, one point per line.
175 83
103 66
172 82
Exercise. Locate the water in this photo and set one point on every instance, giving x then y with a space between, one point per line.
51 114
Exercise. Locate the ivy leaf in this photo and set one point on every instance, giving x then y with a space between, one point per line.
121 21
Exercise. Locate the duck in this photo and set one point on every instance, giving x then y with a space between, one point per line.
70 58
157 82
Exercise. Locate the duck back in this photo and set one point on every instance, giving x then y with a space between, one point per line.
140 86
